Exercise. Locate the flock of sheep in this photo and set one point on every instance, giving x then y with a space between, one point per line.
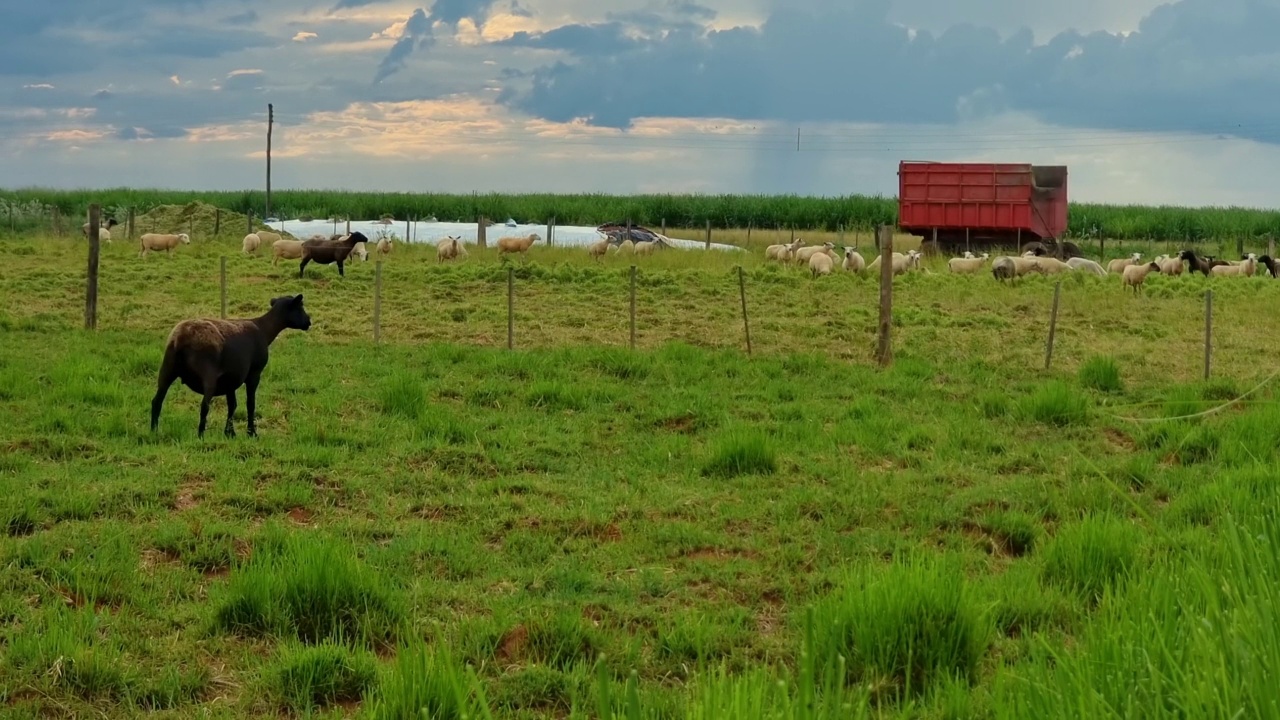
1132 271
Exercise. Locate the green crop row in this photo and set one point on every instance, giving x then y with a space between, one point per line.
854 212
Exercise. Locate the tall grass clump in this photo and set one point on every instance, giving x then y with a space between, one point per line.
902 629
427 682
741 452
313 590
1056 403
1101 373
1090 556
309 678
1194 635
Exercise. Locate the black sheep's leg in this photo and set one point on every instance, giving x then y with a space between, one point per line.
168 374
230 430
251 401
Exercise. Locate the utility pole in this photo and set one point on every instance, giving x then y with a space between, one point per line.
271 118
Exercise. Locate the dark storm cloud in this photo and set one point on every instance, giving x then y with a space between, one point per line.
1190 64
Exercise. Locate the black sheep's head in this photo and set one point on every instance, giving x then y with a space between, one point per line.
295 316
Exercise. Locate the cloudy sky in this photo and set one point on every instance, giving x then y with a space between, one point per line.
1150 102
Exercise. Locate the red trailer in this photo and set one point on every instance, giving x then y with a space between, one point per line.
980 205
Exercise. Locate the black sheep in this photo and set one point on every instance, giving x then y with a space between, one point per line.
330 251
215 357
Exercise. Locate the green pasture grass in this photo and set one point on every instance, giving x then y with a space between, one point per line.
437 521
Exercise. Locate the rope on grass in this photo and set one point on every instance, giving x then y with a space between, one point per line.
1204 413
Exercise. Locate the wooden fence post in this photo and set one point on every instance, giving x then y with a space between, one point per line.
1208 330
223 284
1053 325
377 303
884 350
633 307
91 287
742 292
511 294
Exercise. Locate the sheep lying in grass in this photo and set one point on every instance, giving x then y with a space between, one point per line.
1087 266
803 254
286 249
1119 264
251 243
158 241
820 264
967 264
1245 269
901 262
1135 275
853 261
517 244
1009 268
450 248
104 229
784 251
325 252
215 357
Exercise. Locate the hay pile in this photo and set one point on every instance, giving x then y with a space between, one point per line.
198 220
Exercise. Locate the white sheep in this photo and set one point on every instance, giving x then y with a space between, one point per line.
159 241
1086 265
1008 268
853 261
450 248
901 262
968 263
1246 268
516 244
598 248
820 264
287 249
1135 275
251 243
1119 264
803 254
784 251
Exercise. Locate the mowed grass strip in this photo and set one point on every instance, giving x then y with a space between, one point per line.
437 521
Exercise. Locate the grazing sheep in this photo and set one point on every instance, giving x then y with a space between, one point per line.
216 357
1009 268
803 254
968 263
901 263
782 252
1086 265
517 244
853 261
449 248
325 252
1245 269
158 241
1135 275
820 264
1119 264
598 248
287 249
110 223
252 242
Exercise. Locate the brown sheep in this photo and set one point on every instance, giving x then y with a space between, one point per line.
215 357
324 251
